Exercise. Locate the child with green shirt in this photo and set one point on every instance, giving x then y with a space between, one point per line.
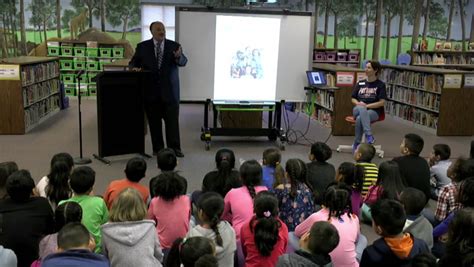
94 209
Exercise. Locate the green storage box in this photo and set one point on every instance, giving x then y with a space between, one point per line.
70 89
117 52
68 78
92 52
83 79
79 65
66 64
91 76
79 51
92 88
105 52
53 51
66 51
92 65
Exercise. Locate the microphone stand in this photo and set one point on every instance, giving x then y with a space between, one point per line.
80 160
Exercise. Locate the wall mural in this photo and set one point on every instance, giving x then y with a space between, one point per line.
380 31
27 25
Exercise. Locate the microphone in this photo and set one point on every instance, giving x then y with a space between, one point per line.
80 73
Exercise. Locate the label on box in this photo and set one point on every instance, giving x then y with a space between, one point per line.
344 79
452 81
10 72
468 80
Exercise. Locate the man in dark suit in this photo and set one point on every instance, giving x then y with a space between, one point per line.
162 57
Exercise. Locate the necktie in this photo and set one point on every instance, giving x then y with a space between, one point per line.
159 55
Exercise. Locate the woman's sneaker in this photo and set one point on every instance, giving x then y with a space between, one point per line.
370 139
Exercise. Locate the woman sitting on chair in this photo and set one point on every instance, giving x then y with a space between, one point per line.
368 98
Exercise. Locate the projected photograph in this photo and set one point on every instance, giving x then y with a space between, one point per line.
247 62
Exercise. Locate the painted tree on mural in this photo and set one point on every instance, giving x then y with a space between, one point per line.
68 14
58 17
377 29
416 22
125 12
99 13
8 41
41 14
341 9
403 10
369 10
438 23
348 28
462 5
451 4
22 28
391 9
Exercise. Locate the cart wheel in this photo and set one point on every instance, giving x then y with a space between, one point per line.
207 146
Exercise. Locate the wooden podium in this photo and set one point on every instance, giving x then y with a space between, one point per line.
120 114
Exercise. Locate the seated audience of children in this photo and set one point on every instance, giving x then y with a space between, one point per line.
55 186
167 162
295 198
273 173
134 172
394 248
320 172
315 247
6 169
389 185
265 237
363 156
94 209
75 247
353 177
337 210
210 208
416 224
170 209
25 219
439 163
195 251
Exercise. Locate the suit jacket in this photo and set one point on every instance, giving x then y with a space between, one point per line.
165 81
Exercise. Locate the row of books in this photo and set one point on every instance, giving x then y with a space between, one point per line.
409 113
423 81
442 59
323 116
414 97
39 72
330 80
325 99
38 91
40 109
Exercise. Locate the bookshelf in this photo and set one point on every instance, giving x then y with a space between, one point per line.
331 103
29 92
87 56
442 57
432 98
341 57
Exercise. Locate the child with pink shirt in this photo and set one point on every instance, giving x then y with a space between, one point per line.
238 202
170 209
336 209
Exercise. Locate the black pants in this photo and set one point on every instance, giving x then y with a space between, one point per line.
169 113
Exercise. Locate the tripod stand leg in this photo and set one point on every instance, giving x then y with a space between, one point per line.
103 160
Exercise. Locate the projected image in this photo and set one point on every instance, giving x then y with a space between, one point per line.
246 58
247 62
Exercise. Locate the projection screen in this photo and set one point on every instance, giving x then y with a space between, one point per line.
244 55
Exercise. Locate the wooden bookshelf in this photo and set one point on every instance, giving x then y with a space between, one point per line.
342 57
430 97
331 103
30 94
442 57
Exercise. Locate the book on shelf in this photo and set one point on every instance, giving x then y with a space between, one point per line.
422 81
325 98
410 113
40 109
414 97
35 92
323 116
38 72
